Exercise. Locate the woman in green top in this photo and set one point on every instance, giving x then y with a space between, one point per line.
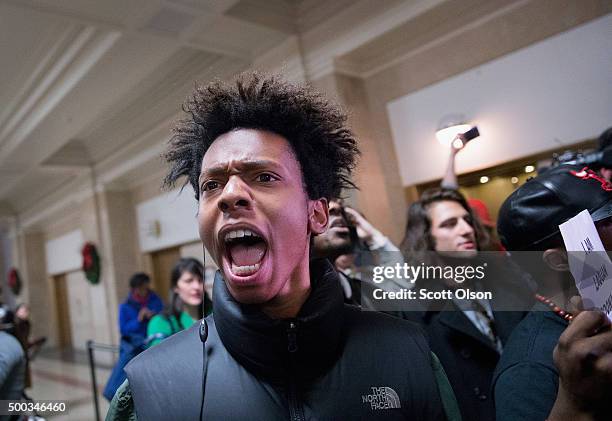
185 308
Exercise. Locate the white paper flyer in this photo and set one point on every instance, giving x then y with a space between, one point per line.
589 262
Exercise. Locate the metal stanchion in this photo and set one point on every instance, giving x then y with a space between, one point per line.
91 345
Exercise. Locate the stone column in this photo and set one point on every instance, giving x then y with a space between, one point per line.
119 237
381 196
37 289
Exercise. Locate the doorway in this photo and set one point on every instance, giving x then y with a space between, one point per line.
163 261
64 332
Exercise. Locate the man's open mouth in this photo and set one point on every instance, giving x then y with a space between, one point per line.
245 250
339 226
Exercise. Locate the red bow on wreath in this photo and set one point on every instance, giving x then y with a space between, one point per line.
14 281
91 263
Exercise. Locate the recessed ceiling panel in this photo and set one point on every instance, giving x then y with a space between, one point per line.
238 37
149 103
170 21
25 37
115 12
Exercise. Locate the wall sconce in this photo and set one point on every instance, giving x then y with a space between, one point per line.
153 229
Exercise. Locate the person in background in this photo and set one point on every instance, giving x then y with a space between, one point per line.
134 315
605 142
450 176
443 231
187 287
22 324
22 333
7 317
351 237
529 383
478 206
20 328
12 368
138 308
482 211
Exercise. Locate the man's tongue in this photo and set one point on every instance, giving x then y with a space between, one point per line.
246 255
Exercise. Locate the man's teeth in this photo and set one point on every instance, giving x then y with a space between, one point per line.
239 234
245 270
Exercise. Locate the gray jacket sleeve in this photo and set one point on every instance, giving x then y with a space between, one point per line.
12 367
122 405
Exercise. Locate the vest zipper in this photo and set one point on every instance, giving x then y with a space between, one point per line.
296 411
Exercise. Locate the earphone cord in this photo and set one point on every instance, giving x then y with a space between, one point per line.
203 336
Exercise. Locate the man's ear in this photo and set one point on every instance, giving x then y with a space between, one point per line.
318 216
556 259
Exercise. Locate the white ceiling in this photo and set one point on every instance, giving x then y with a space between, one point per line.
87 83
91 87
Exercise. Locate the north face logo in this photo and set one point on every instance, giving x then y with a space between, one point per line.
382 398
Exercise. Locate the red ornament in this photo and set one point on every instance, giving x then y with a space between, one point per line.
14 281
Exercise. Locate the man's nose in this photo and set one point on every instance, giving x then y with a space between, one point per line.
235 196
465 228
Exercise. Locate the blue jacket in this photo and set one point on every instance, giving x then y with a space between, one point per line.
133 334
129 325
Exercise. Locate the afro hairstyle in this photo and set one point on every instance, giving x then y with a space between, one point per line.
314 127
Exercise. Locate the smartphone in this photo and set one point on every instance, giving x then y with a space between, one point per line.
464 138
473 133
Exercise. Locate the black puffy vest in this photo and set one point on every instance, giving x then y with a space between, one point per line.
332 362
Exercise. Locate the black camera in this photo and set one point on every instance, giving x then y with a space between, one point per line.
594 160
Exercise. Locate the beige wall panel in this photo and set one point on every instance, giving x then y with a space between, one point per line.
531 22
522 26
88 313
80 306
123 236
381 196
89 219
68 221
195 250
86 218
149 189
38 293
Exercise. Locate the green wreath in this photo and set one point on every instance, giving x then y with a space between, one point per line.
91 263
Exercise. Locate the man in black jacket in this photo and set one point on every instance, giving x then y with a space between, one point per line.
528 382
467 335
264 158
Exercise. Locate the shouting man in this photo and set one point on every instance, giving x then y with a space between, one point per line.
264 158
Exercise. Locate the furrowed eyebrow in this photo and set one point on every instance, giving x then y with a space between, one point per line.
222 170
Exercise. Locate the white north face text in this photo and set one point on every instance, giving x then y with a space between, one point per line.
382 398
